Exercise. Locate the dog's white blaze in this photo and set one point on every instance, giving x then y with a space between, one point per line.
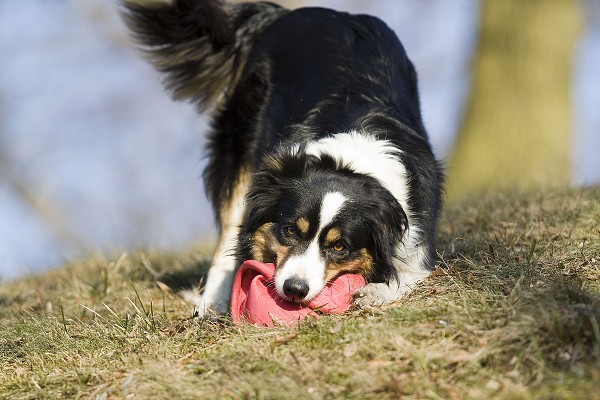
330 207
310 265
377 158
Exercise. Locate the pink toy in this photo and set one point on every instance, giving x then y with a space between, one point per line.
255 300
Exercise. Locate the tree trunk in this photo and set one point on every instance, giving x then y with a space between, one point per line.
518 123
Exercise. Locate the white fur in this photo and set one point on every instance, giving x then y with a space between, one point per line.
330 207
380 159
217 290
367 155
377 294
310 265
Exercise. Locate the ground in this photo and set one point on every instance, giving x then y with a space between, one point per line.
513 311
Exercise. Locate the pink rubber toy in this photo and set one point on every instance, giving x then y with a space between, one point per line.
255 300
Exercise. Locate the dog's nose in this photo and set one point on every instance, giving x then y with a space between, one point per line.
295 288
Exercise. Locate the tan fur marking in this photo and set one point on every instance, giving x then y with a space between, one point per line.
333 236
303 225
272 163
230 215
361 265
266 247
228 209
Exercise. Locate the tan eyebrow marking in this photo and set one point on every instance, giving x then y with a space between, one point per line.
332 236
303 225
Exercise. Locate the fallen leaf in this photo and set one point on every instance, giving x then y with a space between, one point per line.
337 328
374 364
284 339
350 349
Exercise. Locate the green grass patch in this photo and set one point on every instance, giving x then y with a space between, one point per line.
513 311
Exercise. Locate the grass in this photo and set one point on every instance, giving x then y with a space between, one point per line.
513 312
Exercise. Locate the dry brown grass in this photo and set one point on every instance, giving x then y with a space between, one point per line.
512 312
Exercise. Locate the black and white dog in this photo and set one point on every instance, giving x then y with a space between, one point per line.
318 158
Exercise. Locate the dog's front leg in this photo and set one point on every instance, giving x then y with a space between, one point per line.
217 291
411 269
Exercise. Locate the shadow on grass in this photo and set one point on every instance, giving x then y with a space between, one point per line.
568 317
551 316
191 276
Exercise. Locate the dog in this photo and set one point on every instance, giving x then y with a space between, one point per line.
318 158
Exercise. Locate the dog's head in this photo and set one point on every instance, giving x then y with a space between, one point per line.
315 219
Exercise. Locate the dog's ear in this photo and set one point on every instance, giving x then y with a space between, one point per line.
277 178
388 224
266 191
286 165
261 202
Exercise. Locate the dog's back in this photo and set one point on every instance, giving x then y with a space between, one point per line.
329 69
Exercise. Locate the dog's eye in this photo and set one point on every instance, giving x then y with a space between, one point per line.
338 247
290 231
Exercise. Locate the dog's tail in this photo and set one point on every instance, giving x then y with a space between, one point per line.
200 45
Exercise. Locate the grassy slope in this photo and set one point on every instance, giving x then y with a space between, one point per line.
514 312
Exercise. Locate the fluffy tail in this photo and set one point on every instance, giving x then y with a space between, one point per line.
200 45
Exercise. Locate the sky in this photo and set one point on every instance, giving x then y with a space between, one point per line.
95 157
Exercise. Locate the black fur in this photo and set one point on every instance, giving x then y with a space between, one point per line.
280 78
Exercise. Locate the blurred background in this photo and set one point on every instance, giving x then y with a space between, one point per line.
95 158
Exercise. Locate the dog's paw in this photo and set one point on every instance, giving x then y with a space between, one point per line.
203 306
371 295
